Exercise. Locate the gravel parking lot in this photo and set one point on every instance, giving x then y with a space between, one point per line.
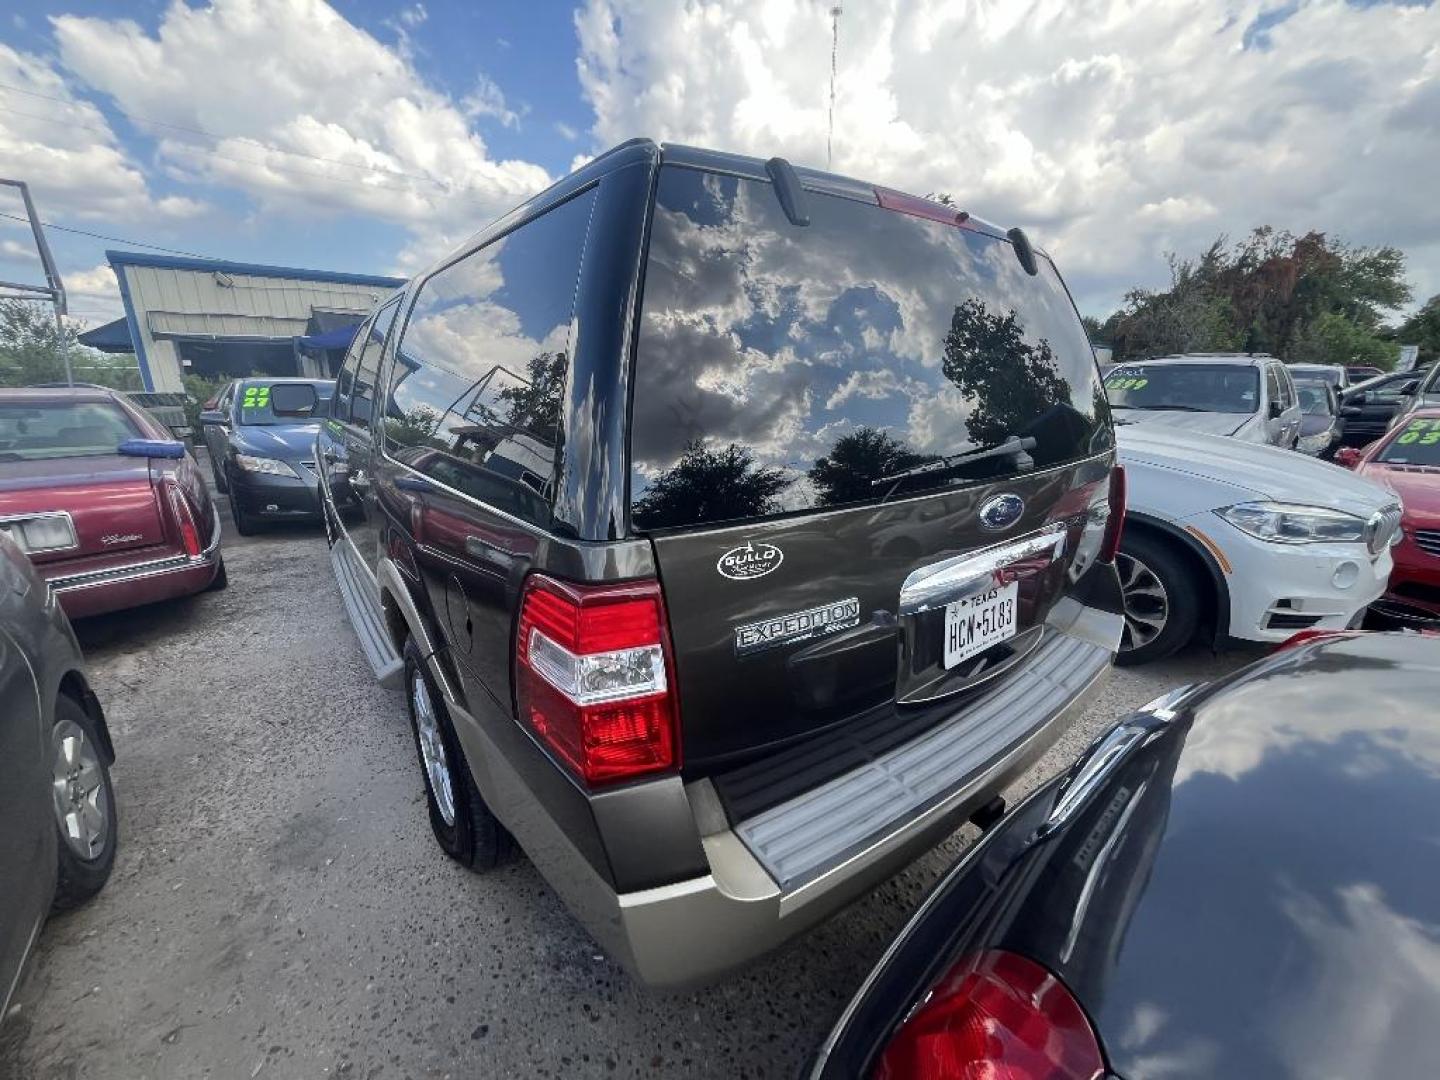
279 909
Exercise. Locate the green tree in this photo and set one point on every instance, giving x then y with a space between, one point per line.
710 485
32 350
1332 338
1423 329
857 458
1271 292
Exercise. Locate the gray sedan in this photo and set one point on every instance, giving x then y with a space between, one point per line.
57 805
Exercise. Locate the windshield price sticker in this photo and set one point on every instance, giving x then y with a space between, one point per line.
1126 383
1424 432
256 397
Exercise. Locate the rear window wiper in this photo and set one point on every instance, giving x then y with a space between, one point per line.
1012 447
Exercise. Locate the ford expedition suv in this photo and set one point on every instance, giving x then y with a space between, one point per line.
736 532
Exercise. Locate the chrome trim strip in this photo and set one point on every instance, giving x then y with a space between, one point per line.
138 571
965 575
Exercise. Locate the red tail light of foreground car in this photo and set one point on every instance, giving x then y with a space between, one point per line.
994 1016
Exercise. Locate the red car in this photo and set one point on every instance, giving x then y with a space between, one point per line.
1407 460
110 509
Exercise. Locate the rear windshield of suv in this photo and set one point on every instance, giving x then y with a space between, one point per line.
1213 388
783 368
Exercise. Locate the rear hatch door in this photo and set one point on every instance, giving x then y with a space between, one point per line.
789 380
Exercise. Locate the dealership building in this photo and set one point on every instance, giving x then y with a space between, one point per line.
216 318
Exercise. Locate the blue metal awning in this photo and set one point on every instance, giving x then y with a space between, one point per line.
339 338
113 337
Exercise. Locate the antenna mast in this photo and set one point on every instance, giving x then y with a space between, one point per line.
835 13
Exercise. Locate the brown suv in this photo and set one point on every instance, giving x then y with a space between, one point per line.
736 532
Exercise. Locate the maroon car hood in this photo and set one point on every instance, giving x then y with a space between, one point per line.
1418 488
110 499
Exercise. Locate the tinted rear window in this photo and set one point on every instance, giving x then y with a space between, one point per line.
69 429
782 369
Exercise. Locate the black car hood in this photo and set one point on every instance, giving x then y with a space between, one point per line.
1255 890
289 442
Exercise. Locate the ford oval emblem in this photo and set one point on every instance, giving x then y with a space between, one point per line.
1001 512
749 561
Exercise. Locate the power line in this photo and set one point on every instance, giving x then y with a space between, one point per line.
138 119
102 236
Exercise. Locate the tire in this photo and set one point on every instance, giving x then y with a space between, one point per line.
1162 598
77 756
245 525
221 579
463 825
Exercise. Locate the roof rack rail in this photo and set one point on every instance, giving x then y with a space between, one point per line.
788 190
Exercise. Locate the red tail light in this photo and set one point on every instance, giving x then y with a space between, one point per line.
593 677
1115 526
184 520
995 1016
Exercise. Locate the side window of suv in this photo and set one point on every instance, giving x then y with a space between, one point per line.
345 380
367 372
479 384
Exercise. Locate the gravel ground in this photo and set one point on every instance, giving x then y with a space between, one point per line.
279 908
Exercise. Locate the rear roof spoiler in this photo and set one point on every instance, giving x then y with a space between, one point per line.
788 190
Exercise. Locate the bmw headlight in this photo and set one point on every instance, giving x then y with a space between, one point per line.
271 466
1292 523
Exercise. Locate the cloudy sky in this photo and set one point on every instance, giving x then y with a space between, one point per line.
371 136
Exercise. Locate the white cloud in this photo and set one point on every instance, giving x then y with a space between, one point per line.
392 147
66 150
1113 132
93 294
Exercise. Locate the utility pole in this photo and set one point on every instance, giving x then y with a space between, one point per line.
835 13
53 289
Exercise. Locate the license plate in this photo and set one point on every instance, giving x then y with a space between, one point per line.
974 624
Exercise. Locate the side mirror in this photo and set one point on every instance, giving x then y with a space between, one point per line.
1348 457
210 405
1350 412
1275 410
1357 398
211 416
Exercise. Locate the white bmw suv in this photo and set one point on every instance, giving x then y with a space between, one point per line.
1236 541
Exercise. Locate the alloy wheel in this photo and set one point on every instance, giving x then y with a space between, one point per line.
79 791
1147 606
432 747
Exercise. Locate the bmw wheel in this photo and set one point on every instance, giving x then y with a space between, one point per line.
1161 600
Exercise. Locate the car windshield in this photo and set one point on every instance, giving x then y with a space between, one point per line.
1317 374
1417 442
1314 401
1217 388
62 429
271 404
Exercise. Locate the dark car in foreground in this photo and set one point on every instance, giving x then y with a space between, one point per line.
1407 460
735 531
58 827
1237 880
261 437
111 510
